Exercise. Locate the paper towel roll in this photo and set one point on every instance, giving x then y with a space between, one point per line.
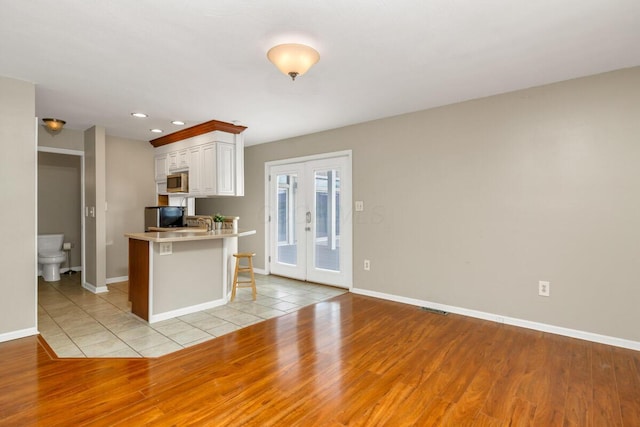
66 246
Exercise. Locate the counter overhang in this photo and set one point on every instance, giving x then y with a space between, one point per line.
185 236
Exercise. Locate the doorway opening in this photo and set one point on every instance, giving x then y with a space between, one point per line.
60 200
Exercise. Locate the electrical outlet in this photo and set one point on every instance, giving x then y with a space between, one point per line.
166 248
544 288
367 265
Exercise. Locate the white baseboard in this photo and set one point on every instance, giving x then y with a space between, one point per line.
111 280
258 271
95 289
186 310
14 335
558 330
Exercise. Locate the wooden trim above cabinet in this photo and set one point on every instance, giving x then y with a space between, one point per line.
210 126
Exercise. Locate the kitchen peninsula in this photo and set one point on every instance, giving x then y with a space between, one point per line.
173 273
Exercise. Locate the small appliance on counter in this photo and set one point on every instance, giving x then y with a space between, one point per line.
197 220
229 223
164 217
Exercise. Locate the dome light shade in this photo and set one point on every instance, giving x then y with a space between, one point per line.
293 59
54 125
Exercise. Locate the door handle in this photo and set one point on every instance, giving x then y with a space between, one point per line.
308 217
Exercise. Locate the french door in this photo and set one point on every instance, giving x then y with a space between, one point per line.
310 220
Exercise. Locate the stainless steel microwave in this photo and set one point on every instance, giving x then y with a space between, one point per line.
178 183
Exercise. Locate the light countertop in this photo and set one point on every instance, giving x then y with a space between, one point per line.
185 235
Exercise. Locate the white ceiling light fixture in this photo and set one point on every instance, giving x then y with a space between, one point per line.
156 130
139 115
293 59
177 123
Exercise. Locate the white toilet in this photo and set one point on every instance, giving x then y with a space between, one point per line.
50 256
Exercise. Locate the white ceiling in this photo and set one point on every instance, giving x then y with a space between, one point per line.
96 61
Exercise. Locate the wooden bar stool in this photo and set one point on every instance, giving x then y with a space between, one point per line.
243 268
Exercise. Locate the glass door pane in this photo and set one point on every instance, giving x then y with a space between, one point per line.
287 192
287 221
326 236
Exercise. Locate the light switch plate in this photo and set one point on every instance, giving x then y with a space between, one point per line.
359 206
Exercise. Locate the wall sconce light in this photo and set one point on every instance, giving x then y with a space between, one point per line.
54 125
293 59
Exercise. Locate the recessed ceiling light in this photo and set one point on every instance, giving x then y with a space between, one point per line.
177 122
141 115
156 130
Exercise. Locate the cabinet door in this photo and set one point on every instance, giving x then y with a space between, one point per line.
161 167
225 169
208 173
183 159
195 171
173 160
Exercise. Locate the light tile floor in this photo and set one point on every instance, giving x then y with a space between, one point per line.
78 323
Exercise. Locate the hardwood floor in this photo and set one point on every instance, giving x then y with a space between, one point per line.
352 360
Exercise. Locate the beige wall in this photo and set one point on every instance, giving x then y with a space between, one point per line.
68 139
18 194
130 187
471 204
59 199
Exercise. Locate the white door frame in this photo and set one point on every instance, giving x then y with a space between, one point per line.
347 209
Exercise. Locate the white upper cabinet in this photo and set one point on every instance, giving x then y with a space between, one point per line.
208 171
178 160
225 169
172 161
195 168
183 159
162 167
214 159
